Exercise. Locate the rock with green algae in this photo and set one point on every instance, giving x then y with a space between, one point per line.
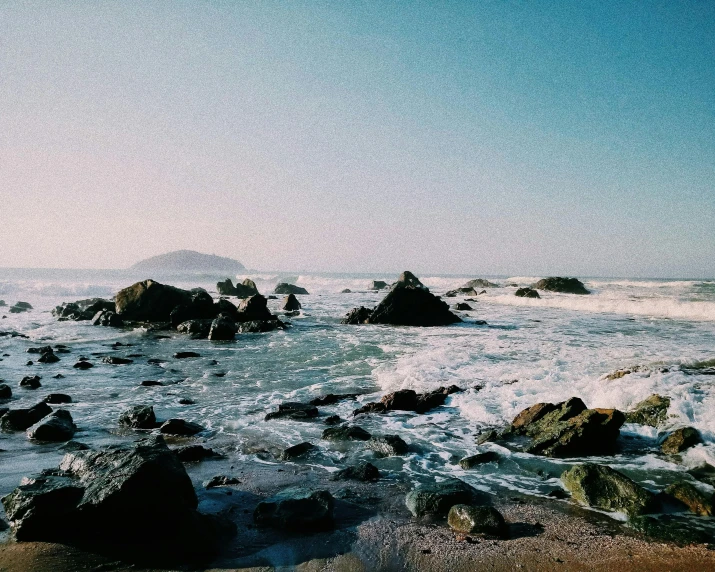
671 528
651 411
696 501
437 498
477 520
680 440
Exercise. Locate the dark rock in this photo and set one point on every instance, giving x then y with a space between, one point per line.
680 440
489 436
58 376
107 319
57 426
180 427
346 433
527 293
74 446
480 283
378 407
332 398
40 350
221 481
360 472
57 398
5 391
196 453
253 308
359 315
412 306
151 383
346 291
601 487
670 528
155 361
223 328
244 290
139 417
30 382
388 445
333 420
460 292
114 360
377 285
186 401
296 509
48 357
408 400
408 280
3 303
462 306
696 501
294 410
479 459
260 326
291 303
184 355
21 419
477 520
558 284
20 307
197 329
437 499
532 414
651 411
82 309
285 289
150 301
296 451
83 365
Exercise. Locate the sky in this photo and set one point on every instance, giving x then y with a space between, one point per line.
475 137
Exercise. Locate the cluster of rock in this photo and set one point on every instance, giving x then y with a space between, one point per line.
40 422
18 308
243 290
409 400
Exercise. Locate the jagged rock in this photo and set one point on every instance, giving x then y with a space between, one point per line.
526 293
57 426
107 318
139 417
332 398
253 308
180 427
21 419
57 398
437 499
82 309
387 445
601 487
294 410
185 355
296 451
408 280
221 481
40 350
285 289
196 453
5 391
297 509
150 301
477 520
377 285
651 411
479 459
346 433
222 328
412 306
260 326
197 329
480 283
291 303
359 315
558 284
115 360
680 440
30 382
696 501
360 472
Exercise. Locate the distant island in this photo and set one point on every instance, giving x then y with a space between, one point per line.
180 261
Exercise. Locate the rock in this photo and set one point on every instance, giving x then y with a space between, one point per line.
461 292
378 407
21 419
532 414
40 350
151 383
297 509
680 440
3 303
48 357
74 446
285 289
83 365
139 417
333 420
489 436
291 303
197 329
108 319
5 391
222 328
221 481
185 355
480 283
294 410
558 284
377 285
412 306
180 427
408 280
82 309
30 382
57 398
244 290
388 445
618 374
332 398
463 306
409 400
670 528
296 451
150 301
651 411
196 453
479 459
114 360
696 501
346 433
437 499
527 293
359 315
254 308
20 307
186 401
346 291
360 472
601 487
57 426
226 288
477 520
200 307
260 326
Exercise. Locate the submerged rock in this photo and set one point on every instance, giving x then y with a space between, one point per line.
346 433
564 285
477 520
296 509
332 398
296 451
180 427
150 301
670 528
355 316
526 293
82 364
115 360
601 487
360 472
388 445
285 289
196 453
461 292
437 499
57 426
479 459
22 419
139 417
651 411
185 355
30 382
294 410
680 440
291 303
463 306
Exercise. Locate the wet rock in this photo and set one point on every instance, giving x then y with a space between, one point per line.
601 487
437 499
260 326
30 382
463 306
82 309
409 400
107 319
346 291
296 451
151 383
378 407
180 427
149 301
291 303
680 440
197 329
526 293
243 290
359 315
221 481
114 360
21 419
296 509
618 374
532 414
48 357
479 459
480 283
361 472
186 401
184 355
196 453
377 285
20 307
477 520
57 398
222 328
408 280
489 436
564 285
40 350
285 289
696 501
74 446
460 292
333 420
5 391
3 303
83 365
412 306
670 528
387 445
57 426
294 410
652 411
346 433
138 417
254 308
332 398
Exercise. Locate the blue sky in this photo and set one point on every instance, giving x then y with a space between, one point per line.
457 137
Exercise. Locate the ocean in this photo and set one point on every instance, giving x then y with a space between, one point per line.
529 351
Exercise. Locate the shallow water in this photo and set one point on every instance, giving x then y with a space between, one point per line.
530 351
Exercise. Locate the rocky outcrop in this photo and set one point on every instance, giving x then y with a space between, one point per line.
244 290
48 357
412 306
297 509
82 309
285 289
57 398
150 301
564 285
291 303
526 293
680 440
437 499
484 520
652 411
57 426
601 487
408 280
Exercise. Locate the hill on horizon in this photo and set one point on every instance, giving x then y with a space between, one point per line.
188 261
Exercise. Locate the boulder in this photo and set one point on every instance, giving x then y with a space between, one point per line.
107 318
378 285
294 410
180 427
285 289
296 451
346 433
409 400
260 326
346 291
253 308
461 292
222 328
221 481
83 364
200 307
226 288
408 280
527 293
558 284
408 305
387 445
21 419
671 528
57 426
291 303
197 329
480 283
360 472
484 520
57 398
296 509
601 487
186 355
438 498
355 316
196 453
30 382
680 440
463 307
333 420
652 411
696 501
5 391
139 417
40 350
48 357
150 301
82 309
479 459
20 307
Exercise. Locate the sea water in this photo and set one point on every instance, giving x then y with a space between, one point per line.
529 351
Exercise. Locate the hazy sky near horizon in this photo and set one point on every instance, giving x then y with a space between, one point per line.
475 137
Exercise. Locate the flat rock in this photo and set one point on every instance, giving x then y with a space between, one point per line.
346 433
